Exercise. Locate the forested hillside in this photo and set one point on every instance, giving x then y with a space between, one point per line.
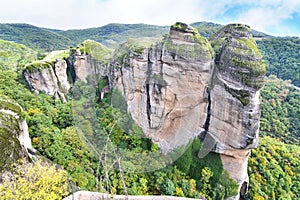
280 111
282 57
13 55
34 37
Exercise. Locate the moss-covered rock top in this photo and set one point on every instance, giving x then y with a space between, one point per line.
8 104
95 49
185 41
47 61
38 65
185 32
237 55
133 47
57 55
179 26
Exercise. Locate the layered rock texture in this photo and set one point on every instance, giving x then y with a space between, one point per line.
14 137
164 86
48 77
234 96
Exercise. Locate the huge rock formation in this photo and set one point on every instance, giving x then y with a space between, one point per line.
234 95
48 77
14 137
179 88
164 86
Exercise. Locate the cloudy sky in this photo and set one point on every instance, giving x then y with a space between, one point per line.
276 17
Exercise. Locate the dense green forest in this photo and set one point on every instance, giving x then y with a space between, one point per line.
280 111
34 37
273 167
282 57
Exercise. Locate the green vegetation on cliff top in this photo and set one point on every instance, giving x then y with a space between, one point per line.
13 55
95 49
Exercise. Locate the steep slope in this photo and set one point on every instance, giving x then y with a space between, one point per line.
164 84
182 87
34 37
184 92
55 74
234 93
282 56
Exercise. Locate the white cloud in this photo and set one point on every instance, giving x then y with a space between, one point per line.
77 13
270 14
66 14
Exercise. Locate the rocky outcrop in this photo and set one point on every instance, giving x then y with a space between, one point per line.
234 96
14 137
55 74
48 77
91 59
164 85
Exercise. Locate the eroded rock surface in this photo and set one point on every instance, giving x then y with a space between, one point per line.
234 96
164 86
49 78
55 74
180 87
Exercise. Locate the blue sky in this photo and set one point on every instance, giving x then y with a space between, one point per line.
275 17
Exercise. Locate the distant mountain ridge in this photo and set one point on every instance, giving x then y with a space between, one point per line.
33 37
280 53
110 35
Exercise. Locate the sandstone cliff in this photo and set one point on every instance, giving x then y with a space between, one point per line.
14 137
179 88
164 86
234 96
48 77
55 74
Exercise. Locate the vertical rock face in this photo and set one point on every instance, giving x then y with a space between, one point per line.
86 65
14 137
60 69
91 58
234 93
234 96
56 73
164 86
49 78
41 77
